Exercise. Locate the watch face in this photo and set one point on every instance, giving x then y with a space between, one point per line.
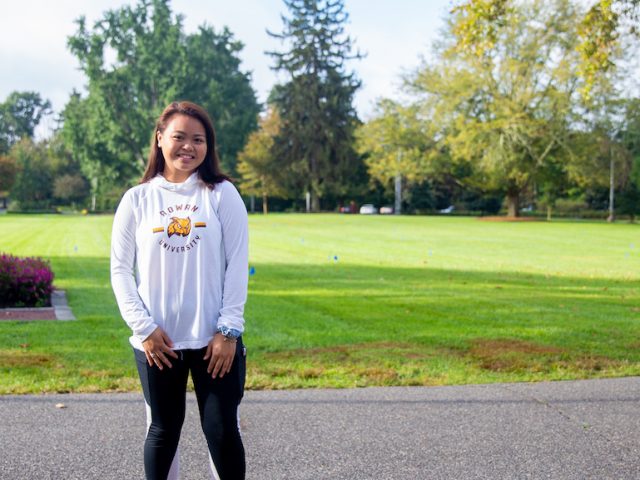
228 332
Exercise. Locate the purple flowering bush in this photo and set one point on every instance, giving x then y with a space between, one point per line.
25 282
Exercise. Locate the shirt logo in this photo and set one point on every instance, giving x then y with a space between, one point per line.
179 226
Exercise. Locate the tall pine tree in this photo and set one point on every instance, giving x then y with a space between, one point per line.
318 120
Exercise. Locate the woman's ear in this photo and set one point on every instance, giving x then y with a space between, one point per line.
159 137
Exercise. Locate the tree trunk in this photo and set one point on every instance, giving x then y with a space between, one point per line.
612 192
265 207
94 189
315 202
313 173
513 204
548 213
398 191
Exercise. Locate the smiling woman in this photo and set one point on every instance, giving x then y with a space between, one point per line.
179 241
183 142
184 146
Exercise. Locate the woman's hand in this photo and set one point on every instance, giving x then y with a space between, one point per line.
157 348
220 353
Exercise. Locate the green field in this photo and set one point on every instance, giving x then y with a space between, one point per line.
344 301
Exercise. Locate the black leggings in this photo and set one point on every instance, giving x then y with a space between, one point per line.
218 400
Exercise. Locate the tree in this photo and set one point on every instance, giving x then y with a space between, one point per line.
257 164
82 135
553 181
397 146
628 159
155 63
32 186
8 171
20 114
629 196
606 157
70 188
601 30
61 160
213 79
318 120
504 97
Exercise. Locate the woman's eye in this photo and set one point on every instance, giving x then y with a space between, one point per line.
177 137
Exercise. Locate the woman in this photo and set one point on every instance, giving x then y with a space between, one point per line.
179 261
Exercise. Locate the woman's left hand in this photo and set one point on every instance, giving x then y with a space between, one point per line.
220 353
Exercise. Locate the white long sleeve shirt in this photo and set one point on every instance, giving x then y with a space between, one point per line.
179 260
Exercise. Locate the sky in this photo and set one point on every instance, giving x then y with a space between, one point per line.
393 34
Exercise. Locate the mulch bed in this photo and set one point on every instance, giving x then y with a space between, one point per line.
47 313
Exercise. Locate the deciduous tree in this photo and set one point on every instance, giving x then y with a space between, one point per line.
506 102
8 170
33 184
603 27
137 59
258 164
395 141
70 188
398 146
20 114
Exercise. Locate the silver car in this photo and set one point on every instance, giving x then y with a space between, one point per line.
368 209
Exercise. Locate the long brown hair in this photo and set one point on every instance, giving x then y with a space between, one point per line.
209 170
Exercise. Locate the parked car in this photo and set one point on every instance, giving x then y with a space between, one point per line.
351 208
368 209
386 210
449 209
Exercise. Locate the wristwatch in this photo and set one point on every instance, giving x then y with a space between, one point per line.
229 334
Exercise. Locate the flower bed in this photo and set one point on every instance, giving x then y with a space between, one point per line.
25 282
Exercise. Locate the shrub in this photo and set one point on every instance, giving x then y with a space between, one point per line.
570 206
70 188
25 282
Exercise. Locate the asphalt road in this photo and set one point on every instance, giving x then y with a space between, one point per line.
558 430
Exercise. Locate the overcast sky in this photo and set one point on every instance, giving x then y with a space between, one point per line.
393 34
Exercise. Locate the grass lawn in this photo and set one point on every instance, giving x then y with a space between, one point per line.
344 301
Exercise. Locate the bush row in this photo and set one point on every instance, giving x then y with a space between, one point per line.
25 282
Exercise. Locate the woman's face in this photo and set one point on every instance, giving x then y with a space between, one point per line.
184 146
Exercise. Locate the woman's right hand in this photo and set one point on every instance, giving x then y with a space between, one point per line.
157 348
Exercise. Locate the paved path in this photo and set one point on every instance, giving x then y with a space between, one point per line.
563 430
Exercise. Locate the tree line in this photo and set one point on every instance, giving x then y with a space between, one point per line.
522 104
